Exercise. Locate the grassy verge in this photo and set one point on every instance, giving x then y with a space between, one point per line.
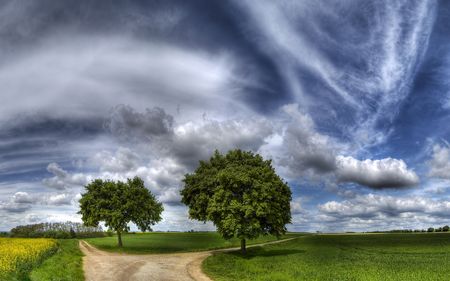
162 242
339 257
64 265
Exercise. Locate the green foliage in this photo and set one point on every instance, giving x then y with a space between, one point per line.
57 230
172 242
119 203
65 265
240 193
364 257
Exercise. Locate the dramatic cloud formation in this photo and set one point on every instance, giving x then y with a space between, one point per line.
383 44
305 148
193 142
106 68
349 99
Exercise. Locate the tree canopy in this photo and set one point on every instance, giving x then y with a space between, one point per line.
240 193
119 203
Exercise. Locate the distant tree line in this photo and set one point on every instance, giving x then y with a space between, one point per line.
440 229
430 229
58 230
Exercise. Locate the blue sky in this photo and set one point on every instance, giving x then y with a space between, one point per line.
350 99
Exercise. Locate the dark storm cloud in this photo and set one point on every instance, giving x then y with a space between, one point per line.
306 148
28 142
39 124
127 124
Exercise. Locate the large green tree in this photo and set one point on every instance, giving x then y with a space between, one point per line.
240 193
119 203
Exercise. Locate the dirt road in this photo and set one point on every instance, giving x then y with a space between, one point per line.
100 265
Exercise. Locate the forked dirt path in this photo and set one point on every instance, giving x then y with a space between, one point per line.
101 266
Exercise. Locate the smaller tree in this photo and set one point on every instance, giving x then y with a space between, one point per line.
430 229
72 233
446 228
119 203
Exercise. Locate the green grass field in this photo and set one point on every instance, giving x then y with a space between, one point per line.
64 265
163 242
340 257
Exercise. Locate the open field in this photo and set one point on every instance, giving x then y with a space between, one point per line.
340 257
171 242
19 255
409 256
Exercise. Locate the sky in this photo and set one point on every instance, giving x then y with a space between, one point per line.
350 99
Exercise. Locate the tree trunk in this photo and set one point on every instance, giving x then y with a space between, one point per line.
119 237
243 248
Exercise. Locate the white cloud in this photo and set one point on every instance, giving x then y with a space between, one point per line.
123 160
296 206
379 212
373 205
440 162
170 196
383 173
175 217
162 163
18 203
305 151
59 199
23 201
82 76
22 197
63 179
197 141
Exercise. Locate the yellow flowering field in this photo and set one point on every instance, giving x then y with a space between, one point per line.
19 255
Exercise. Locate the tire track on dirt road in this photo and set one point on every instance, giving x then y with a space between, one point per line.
100 265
